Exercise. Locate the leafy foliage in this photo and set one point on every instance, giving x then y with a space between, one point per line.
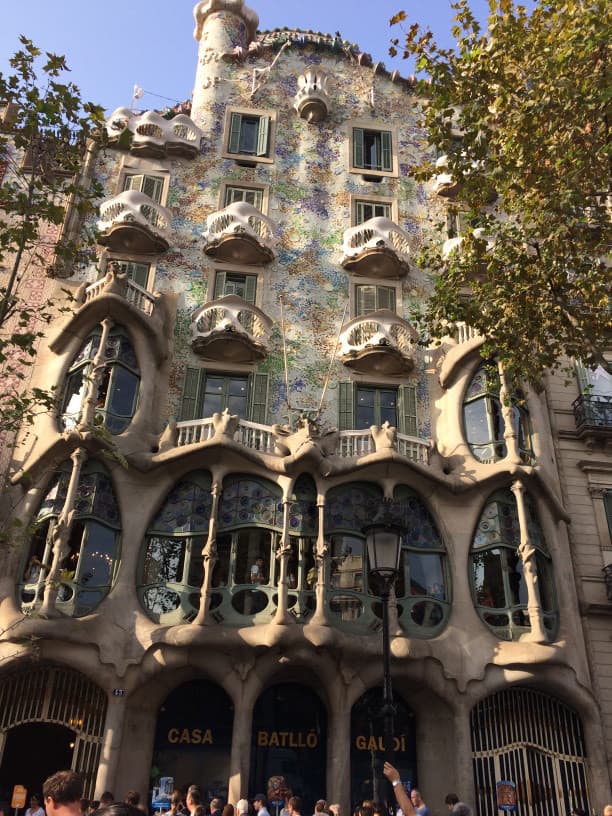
520 111
44 128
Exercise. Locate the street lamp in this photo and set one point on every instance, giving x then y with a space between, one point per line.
384 545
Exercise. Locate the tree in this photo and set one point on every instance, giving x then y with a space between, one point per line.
44 193
521 113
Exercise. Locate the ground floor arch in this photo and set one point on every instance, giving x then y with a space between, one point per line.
52 711
193 738
534 745
289 746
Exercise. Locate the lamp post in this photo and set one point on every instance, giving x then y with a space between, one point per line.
383 540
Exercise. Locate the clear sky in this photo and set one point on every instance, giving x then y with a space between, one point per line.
114 44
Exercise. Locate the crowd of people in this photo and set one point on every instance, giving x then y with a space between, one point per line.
62 795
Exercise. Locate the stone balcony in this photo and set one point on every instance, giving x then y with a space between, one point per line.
378 248
378 343
240 233
312 99
133 293
264 439
132 222
232 330
443 183
150 135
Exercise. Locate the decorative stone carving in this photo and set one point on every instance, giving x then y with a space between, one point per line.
384 437
225 424
307 439
312 99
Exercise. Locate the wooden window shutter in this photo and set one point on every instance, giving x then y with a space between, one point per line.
345 406
358 147
133 182
251 288
219 285
153 187
407 413
233 144
263 135
191 388
385 297
583 379
258 398
387 155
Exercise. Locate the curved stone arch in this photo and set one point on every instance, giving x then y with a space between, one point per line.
527 735
60 695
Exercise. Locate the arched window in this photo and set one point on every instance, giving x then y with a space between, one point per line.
118 390
301 567
89 569
171 570
249 528
498 580
483 418
422 588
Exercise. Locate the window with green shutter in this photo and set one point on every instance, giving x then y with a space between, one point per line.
235 283
152 186
137 272
370 298
361 406
249 135
407 413
208 392
372 150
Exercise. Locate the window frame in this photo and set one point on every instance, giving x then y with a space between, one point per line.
162 177
194 382
372 126
123 261
263 189
363 282
237 269
389 201
229 129
407 416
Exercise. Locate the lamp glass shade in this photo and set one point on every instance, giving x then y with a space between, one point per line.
384 549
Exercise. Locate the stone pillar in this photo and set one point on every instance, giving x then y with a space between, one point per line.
339 755
462 742
210 558
322 568
507 408
283 553
109 756
136 752
240 758
527 553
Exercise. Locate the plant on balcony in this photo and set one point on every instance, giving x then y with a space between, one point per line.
530 98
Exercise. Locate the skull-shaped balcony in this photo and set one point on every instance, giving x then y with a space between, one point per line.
312 99
378 343
232 330
240 233
443 183
378 248
152 136
133 222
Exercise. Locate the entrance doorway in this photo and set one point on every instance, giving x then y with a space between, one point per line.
288 749
33 752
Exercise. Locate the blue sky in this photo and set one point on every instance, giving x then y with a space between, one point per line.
114 44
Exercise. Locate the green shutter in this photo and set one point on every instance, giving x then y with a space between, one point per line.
263 133
387 155
251 288
233 145
258 398
407 410
191 388
358 148
219 285
346 421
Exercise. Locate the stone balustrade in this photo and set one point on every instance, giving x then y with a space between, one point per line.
134 294
247 234
133 207
237 322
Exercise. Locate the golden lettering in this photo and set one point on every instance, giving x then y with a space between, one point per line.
283 735
262 739
185 736
173 735
196 736
273 742
207 738
312 740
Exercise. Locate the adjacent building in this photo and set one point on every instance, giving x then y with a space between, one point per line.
241 390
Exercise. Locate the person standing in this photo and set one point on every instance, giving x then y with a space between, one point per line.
62 794
260 804
216 807
35 809
420 807
193 798
295 806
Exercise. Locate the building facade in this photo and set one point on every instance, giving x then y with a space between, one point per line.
191 597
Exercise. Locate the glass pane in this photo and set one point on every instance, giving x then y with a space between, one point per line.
365 415
86 601
160 599
220 577
195 576
347 562
253 556
74 394
249 601
426 575
123 392
427 613
97 555
164 560
388 407
545 583
487 577
248 134
372 150
346 607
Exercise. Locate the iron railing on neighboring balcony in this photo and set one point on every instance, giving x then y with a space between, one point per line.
593 411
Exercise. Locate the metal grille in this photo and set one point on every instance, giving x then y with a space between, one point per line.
61 696
535 741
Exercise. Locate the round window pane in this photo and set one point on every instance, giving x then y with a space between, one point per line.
346 607
160 599
249 601
427 613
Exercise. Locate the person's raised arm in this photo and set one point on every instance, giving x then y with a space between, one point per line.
403 800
